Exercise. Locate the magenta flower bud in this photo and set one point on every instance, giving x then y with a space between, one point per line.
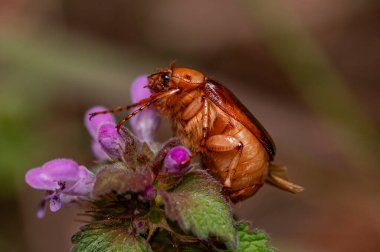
94 124
60 177
111 140
139 224
177 160
149 193
146 123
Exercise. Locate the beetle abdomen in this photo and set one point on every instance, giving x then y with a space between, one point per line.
252 166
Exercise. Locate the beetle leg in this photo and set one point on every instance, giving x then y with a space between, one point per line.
224 143
129 116
117 109
145 105
205 119
192 109
277 176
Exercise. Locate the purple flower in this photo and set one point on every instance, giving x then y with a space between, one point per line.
146 123
111 141
93 126
177 160
98 151
107 143
64 180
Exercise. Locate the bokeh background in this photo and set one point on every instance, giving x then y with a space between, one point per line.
309 70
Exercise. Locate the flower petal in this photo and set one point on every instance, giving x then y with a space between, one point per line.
111 141
51 173
146 123
98 151
55 203
61 169
138 89
84 185
69 200
94 124
41 210
37 179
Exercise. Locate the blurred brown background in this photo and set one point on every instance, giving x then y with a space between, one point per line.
309 70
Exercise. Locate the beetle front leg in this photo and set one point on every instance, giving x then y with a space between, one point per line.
224 143
193 109
205 120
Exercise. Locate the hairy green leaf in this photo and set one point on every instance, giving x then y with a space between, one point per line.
117 178
198 206
106 238
251 241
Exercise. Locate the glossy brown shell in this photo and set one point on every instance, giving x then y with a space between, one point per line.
227 102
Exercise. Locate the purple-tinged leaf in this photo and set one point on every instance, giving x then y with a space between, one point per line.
149 193
197 205
120 179
107 238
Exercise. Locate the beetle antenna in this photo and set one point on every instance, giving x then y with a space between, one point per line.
172 64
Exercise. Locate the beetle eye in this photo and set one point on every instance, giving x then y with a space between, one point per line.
165 79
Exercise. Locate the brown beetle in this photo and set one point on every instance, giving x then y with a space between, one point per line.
210 120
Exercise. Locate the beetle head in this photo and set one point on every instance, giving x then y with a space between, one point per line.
160 81
175 78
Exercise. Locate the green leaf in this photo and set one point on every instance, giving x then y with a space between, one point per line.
162 242
106 238
198 206
251 241
118 178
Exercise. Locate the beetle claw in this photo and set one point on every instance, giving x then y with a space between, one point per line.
92 115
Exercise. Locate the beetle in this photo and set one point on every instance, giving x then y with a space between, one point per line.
210 120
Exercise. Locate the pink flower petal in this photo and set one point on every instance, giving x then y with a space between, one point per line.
37 179
146 123
84 185
61 170
138 89
111 141
96 121
98 151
